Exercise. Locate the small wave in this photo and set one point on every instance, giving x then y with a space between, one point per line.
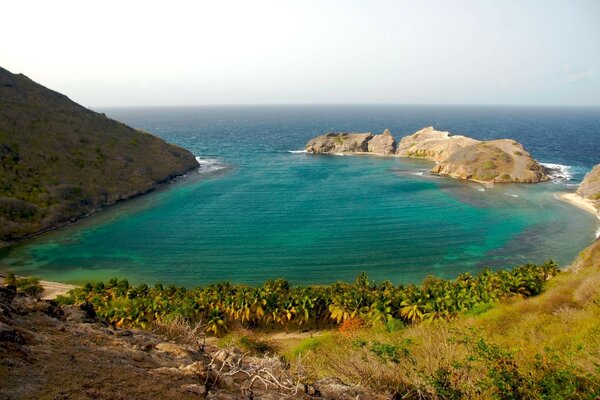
481 189
513 195
418 173
558 172
296 151
207 165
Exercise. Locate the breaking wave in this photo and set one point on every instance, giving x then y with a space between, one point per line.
207 165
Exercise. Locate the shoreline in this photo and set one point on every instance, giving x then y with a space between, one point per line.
51 289
157 186
578 201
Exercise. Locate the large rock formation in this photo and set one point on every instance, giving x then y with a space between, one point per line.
456 156
61 161
345 142
462 157
382 144
590 187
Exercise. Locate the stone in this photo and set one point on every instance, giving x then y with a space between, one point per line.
382 144
340 143
174 349
8 334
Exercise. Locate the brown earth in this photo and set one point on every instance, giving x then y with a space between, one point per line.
49 352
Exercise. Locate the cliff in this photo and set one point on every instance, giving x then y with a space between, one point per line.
345 142
61 161
589 188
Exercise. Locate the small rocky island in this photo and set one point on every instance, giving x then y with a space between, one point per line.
493 161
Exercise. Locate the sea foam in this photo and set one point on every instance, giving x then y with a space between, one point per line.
207 165
558 172
296 151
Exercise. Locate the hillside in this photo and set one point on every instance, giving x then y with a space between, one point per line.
589 189
61 161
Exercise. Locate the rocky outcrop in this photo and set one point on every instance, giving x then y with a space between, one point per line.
60 161
494 161
497 161
590 187
382 144
345 142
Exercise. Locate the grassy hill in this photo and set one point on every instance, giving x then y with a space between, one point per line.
61 161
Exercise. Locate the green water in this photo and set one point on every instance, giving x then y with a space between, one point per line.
256 211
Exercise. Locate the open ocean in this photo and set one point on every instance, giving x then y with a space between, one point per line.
259 208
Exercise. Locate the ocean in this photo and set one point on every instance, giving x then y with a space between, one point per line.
259 208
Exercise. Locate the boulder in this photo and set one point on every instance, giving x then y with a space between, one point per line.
340 143
382 144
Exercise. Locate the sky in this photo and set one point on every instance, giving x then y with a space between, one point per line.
130 53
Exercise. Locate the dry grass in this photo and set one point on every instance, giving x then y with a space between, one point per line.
542 347
179 330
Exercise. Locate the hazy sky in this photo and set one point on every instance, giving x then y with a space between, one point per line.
111 53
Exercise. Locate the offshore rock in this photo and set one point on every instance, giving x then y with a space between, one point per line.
382 144
493 161
346 142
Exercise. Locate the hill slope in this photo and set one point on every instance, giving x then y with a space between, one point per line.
61 161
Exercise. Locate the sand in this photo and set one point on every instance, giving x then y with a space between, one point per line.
51 289
578 201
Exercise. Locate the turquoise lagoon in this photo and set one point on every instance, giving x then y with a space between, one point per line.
258 208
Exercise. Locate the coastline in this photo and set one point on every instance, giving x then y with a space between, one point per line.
51 289
578 201
155 187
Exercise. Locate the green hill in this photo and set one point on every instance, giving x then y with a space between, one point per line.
61 161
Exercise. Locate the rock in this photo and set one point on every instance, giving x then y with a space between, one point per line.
84 313
8 334
195 388
432 145
590 187
340 143
196 368
382 144
7 294
174 349
231 355
497 161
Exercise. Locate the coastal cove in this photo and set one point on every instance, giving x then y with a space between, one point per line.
259 208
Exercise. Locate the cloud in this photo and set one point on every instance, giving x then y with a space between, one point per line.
576 76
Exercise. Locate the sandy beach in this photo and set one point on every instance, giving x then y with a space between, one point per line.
578 201
51 289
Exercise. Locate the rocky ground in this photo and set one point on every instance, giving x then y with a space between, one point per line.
52 352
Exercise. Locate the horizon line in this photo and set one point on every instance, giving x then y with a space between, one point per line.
345 105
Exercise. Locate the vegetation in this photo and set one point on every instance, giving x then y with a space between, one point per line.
543 347
60 161
31 286
277 304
